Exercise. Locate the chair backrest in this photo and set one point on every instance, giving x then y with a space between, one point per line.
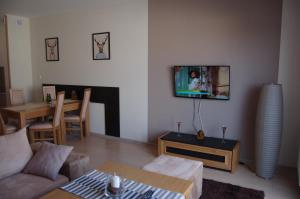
58 108
49 90
2 125
85 103
16 96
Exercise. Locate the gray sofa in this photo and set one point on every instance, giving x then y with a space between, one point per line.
15 152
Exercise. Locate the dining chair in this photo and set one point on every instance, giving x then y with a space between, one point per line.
6 128
53 127
49 90
16 96
80 119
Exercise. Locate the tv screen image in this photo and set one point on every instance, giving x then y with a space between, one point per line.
205 82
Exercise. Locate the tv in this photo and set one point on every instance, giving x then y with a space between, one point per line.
204 82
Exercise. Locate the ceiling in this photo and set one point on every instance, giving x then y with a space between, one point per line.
34 8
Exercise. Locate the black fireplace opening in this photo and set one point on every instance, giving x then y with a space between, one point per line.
109 96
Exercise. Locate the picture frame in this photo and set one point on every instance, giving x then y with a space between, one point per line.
101 46
52 49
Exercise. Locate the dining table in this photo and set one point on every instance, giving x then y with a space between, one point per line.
35 110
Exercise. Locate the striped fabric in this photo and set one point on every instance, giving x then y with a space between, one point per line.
92 186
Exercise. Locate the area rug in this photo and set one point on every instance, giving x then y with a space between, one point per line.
217 190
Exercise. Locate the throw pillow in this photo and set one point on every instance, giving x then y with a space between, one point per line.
48 160
15 152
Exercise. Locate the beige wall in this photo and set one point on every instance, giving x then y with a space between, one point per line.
20 54
127 22
243 34
289 70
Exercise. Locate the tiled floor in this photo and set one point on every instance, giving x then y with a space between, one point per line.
101 149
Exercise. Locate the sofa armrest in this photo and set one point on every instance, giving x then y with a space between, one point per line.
75 165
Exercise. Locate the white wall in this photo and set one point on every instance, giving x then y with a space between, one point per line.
127 22
289 70
20 54
97 110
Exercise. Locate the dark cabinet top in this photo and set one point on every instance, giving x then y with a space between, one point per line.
191 139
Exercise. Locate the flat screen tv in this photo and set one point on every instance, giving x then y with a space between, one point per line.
204 82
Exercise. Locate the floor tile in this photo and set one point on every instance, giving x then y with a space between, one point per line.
104 148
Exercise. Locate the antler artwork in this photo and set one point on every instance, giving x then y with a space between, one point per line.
101 44
52 46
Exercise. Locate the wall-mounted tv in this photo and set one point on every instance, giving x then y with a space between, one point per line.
204 82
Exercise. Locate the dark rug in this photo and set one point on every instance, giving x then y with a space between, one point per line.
218 190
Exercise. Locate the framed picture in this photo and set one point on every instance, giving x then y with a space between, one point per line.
101 46
52 52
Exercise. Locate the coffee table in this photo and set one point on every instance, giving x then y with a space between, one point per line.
154 179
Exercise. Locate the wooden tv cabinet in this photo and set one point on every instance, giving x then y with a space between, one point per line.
211 151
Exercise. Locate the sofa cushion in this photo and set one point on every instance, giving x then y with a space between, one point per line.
15 152
27 186
48 160
75 165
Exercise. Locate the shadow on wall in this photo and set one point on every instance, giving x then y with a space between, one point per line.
247 138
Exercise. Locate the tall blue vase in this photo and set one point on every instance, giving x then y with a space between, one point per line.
269 121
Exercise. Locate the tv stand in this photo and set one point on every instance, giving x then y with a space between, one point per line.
211 151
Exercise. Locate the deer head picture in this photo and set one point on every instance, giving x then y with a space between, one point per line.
52 51
101 46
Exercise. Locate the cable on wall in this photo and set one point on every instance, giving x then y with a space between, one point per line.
194 116
199 115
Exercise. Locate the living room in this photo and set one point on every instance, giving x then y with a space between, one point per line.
257 39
